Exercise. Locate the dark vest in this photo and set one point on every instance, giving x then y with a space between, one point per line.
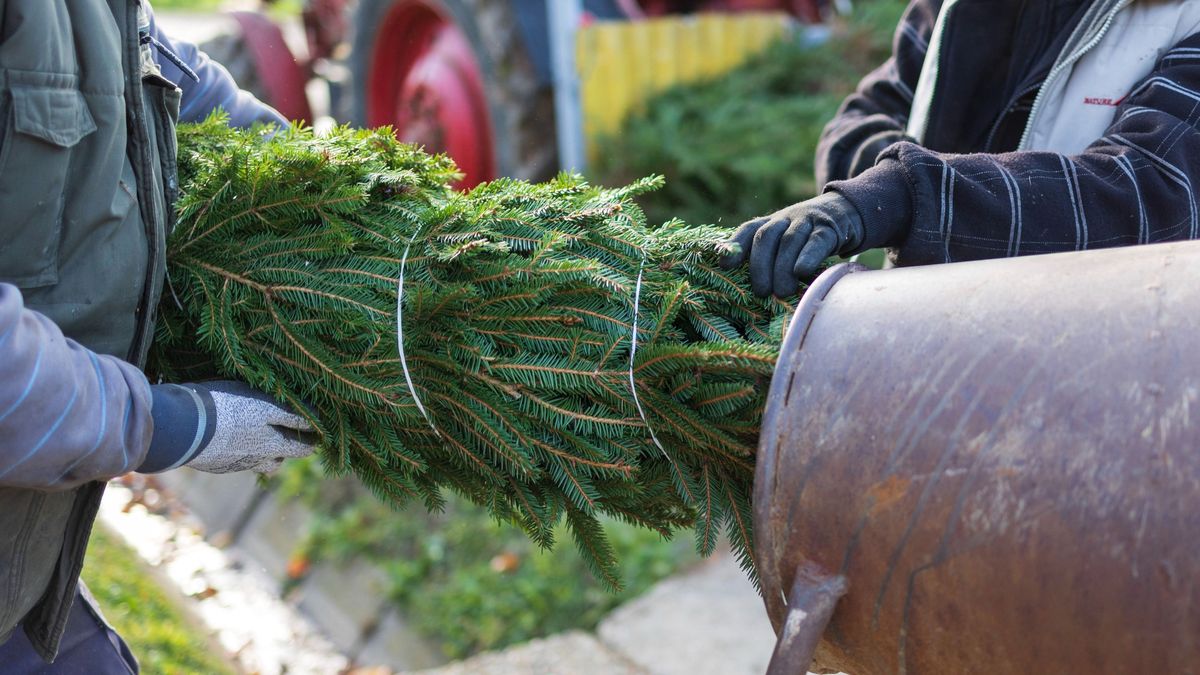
87 178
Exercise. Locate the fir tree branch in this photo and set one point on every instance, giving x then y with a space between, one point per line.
517 311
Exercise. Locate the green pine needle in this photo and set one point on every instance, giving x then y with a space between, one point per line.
517 315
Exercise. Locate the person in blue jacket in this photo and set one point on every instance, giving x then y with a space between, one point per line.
90 91
1003 129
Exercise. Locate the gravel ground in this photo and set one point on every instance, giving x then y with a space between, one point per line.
238 604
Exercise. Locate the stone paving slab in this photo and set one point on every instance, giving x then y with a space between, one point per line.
398 644
709 621
217 500
571 653
348 599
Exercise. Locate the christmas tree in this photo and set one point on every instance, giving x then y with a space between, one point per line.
534 347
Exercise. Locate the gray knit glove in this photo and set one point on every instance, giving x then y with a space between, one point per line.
252 432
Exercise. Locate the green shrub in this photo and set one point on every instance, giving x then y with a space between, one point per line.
467 582
742 145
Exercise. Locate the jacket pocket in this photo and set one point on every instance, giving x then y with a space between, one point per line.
41 125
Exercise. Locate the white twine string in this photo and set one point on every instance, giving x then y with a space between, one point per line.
633 342
637 296
400 337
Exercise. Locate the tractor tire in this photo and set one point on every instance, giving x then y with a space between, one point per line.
521 109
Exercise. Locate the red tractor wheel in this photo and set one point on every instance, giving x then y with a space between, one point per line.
453 75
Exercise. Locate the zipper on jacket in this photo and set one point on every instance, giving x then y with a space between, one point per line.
146 201
935 52
1061 66
1008 110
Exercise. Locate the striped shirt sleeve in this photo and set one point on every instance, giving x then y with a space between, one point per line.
1136 184
67 415
875 116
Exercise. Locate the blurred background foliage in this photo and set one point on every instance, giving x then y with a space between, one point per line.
466 581
741 145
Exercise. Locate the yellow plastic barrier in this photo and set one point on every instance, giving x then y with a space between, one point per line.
623 63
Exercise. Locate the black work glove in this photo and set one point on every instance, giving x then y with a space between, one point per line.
789 245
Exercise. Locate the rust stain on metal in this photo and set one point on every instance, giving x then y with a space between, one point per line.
885 493
998 459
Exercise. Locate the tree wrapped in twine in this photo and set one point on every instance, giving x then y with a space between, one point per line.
535 348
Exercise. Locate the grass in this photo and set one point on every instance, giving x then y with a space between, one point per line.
160 635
